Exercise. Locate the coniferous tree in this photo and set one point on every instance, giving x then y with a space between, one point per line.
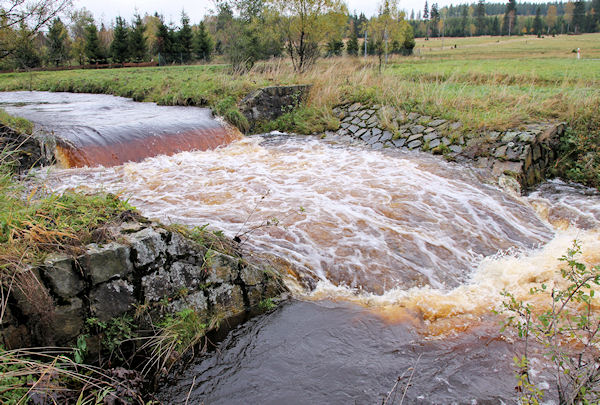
538 25
164 44
203 43
510 17
119 48
579 17
480 14
352 45
185 39
596 15
434 19
93 50
138 49
58 43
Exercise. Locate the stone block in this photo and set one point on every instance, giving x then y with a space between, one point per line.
509 136
414 144
68 321
414 137
105 262
455 148
434 143
196 301
399 142
430 136
111 299
252 275
437 123
147 245
353 128
377 145
227 299
387 135
416 129
62 278
377 131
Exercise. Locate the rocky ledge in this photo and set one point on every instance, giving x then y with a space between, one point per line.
523 154
145 266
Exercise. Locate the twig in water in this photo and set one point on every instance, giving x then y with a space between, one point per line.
394 391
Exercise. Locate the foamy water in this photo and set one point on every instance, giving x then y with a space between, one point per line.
387 223
422 246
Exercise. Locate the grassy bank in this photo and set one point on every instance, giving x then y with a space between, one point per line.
485 82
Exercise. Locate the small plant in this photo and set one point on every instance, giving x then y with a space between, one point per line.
266 305
115 332
176 334
567 329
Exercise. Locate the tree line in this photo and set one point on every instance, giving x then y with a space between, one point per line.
506 19
240 31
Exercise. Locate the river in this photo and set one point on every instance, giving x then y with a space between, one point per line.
406 255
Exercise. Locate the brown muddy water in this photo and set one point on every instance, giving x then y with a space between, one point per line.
102 130
409 253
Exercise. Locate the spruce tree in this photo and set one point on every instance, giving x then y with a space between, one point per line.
164 44
93 50
119 48
58 43
480 14
138 49
579 20
352 45
203 43
538 25
185 38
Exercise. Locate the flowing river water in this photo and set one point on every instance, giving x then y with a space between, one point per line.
407 255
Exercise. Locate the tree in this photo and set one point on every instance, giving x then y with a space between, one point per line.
203 43
185 38
569 8
551 18
480 15
119 48
138 49
388 26
80 19
434 18
335 47
93 50
352 45
596 14
164 43
579 17
510 16
304 24
15 15
58 43
538 25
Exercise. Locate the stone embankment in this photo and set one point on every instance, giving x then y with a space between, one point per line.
269 103
145 266
24 151
523 154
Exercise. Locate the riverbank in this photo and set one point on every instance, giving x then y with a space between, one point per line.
491 89
98 302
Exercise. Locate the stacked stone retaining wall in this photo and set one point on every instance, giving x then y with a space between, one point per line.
145 266
525 154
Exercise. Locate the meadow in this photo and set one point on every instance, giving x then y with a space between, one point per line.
484 82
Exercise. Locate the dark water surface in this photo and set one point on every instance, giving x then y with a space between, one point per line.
336 353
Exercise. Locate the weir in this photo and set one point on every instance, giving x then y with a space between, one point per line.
397 260
101 130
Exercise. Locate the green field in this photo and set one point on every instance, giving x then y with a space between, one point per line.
485 82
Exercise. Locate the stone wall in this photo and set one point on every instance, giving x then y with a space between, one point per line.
523 154
145 265
25 151
268 103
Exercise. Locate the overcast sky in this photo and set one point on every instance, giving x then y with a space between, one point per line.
107 10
